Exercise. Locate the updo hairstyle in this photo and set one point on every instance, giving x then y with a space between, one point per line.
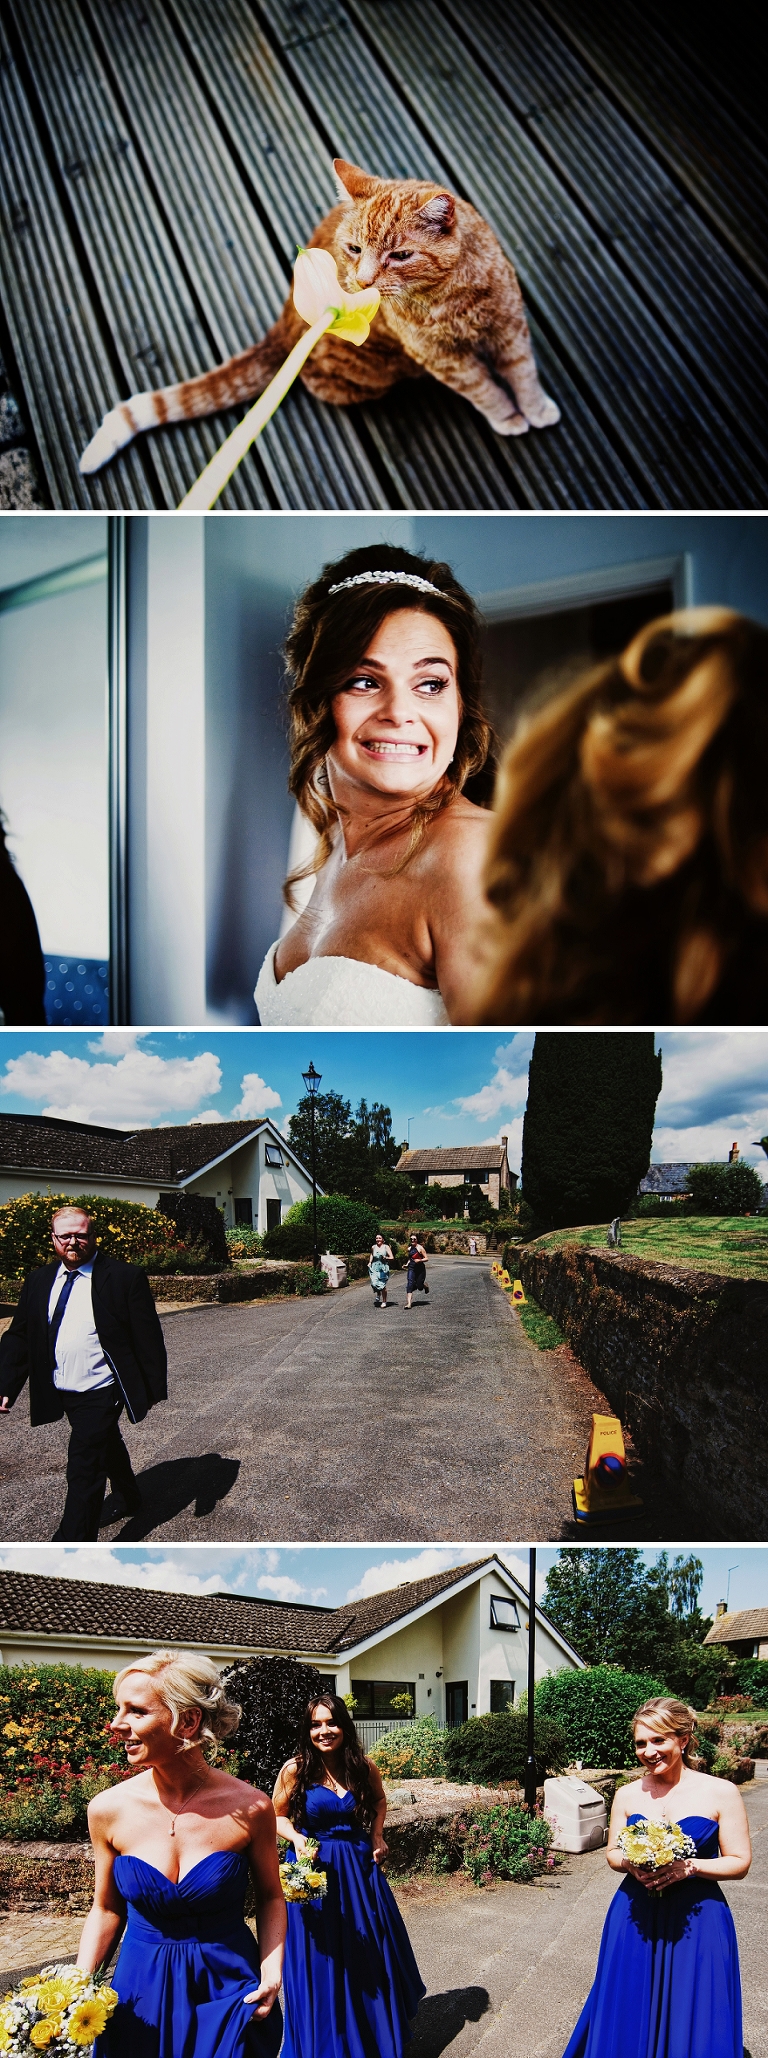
671 1718
187 1679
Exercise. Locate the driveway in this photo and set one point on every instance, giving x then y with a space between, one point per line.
508 1971
324 1418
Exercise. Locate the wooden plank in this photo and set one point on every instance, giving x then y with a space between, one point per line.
694 131
716 315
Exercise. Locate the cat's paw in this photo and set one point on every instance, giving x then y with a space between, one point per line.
113 435
506 421
543 413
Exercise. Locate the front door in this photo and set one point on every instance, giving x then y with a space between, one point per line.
456 1703
274 1211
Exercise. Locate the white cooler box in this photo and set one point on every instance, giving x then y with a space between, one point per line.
335 1270
577 1814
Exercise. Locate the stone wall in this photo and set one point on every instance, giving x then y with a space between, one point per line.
683 1359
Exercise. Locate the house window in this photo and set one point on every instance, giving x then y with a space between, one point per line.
456 1702
274 1214
504 1613
374 1699
244 1213
273 1155
502 1695
476 1179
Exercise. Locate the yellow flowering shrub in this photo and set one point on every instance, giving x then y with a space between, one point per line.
124 1229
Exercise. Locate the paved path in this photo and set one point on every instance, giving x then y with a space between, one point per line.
508 1970
323 1418
507 1973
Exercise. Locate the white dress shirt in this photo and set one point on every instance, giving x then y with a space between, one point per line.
81 1366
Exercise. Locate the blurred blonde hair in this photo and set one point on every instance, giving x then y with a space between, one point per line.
630 842
187 1679
671 1718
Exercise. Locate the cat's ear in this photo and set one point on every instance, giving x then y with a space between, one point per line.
353 184
439 212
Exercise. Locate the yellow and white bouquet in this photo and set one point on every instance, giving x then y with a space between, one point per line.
59 2010
654 1844
300 1878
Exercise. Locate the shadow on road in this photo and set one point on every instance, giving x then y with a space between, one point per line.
441 2019
170 1488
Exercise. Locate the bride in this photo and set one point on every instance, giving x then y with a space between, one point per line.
175 1845
387 727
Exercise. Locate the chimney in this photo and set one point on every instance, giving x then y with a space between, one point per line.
720 1610
733 1154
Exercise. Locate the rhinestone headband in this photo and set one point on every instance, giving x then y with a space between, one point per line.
387 579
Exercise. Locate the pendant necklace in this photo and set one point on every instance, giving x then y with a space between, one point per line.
185 1804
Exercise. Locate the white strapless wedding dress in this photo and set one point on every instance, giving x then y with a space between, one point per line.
344 993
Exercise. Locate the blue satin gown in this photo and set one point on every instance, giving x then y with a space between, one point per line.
351 1984
667 1983
186 1962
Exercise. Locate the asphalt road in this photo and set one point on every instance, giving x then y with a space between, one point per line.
325 1419
508 1971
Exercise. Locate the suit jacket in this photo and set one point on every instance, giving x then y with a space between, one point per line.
128 1328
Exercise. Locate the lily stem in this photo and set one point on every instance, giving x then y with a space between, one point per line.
212 481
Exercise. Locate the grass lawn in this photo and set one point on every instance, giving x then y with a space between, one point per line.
540 1328
736 1245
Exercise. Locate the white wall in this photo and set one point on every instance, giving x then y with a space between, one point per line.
407 1653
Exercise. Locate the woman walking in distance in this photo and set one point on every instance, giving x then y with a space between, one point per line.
351 1981
175 1846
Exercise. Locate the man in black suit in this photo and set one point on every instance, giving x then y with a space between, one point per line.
86 1334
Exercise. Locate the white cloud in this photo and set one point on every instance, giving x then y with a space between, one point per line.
109 1567
115 1042
505 1090
286 1589
208 1115
136 1091
257 1098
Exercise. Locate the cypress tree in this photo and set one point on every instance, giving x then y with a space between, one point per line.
588 1124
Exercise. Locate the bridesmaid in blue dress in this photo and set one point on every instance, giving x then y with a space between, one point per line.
351 1984
174 1846
667 1982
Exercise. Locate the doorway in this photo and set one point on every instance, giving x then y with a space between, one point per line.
456 1703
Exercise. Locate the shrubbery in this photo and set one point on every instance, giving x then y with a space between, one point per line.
724 1189
342 1226
751 1677
508 1843
594 1710
273 1694
415 1752
243 1242
200 1225
490 1749
56 1751
124 1229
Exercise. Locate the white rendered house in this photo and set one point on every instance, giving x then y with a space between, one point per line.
248 1168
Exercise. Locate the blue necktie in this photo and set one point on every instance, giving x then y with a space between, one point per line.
58 1313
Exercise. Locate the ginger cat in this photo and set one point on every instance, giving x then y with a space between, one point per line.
450 305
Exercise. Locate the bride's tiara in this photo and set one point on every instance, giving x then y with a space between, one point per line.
388 579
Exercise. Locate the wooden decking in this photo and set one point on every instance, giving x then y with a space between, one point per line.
161 159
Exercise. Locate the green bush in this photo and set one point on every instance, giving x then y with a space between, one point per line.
124 1229
54 1719
594 1709
55 1810
490 1749
311 1279
243 1242
413 1752
751 1676
724 1190
342 1225
199 1224
508 1843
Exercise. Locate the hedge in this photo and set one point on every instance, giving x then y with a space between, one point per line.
594 1709
417 1751
124 1229
490 1749
343 1226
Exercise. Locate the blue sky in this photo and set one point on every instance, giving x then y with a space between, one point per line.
327 1574
468 1086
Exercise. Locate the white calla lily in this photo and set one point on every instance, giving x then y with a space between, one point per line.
321 300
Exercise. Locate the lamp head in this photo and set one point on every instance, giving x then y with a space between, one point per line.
311 1080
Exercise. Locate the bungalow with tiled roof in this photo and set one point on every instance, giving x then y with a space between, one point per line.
457 1642
246 1167
745 1633
465 1164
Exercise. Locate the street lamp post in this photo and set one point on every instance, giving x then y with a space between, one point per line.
530 1768
312 1081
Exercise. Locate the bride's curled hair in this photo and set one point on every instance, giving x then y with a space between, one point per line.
310 1767
328 637
628 867
186 1679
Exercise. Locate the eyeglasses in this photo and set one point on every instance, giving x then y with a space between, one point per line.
71 1236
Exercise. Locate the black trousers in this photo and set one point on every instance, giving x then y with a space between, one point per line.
96 1453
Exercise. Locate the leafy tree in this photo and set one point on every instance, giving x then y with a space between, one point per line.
479 1207
491 1748
594 1709
588 1124
351 1152
273 1694
725 1189
611 1607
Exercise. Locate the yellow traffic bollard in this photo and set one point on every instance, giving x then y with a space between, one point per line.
604 1489
517 1292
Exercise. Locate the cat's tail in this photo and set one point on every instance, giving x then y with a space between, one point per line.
241 378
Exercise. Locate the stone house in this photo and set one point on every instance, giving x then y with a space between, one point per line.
745 1634
469 1164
